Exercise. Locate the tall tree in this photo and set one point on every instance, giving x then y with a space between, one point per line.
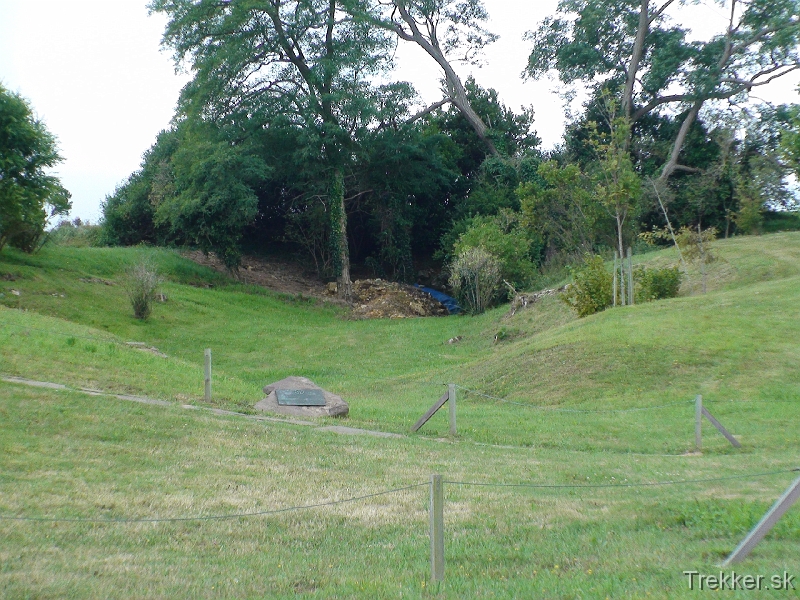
448 31
27 150
305 63
631 45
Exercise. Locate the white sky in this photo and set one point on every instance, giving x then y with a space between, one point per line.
94 72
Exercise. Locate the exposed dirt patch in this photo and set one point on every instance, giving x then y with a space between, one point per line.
372 298
281 276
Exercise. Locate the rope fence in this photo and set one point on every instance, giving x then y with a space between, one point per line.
260 513
108 340
572 410
436 509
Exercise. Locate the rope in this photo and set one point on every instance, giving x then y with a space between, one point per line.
213 517
574 410
619 485
70 335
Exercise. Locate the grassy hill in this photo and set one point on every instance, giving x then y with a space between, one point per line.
545 398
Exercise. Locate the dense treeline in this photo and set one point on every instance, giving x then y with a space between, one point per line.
427 189
285 143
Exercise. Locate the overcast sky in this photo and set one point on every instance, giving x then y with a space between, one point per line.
94 72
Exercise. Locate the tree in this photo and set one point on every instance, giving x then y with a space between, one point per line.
617 186
630 45
448 31
559 207
303 63
27 150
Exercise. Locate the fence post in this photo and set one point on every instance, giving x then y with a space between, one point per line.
208 374
766 523
451 400
437 528
698 423
630 277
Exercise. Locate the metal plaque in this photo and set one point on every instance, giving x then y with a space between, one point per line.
300 397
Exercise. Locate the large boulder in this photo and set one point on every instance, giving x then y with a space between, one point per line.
334 405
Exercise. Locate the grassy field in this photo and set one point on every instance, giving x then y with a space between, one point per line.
544 399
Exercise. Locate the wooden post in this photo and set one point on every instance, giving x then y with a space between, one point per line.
630 277
208 374
451 392
734 442
766 523
437 528
424 418
698 423
615 277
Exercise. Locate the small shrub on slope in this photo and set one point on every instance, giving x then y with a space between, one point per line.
656 284
140 284
592 290
475 277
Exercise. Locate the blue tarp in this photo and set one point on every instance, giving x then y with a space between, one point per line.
449 302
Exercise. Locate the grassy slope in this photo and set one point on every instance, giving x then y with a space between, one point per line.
70 455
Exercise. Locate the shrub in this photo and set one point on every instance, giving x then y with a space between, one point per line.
656 284
503 237
140 284
592 290
475 277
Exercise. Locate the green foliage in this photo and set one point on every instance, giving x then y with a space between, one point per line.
75 233
27 193
512 133
141 282
214 181
618 187
129 213
656 283
592 289
559 207
790 141
750 218
696 244
781 221
507 240
475 277
337 223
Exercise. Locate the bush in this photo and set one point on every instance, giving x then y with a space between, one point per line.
475 277
656 284
504 238
592 290
140 284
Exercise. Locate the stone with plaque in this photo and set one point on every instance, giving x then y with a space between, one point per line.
301 397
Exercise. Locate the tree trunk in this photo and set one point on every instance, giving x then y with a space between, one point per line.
677 146
636 57
340 248
622 287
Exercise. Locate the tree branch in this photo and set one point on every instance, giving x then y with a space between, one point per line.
428 110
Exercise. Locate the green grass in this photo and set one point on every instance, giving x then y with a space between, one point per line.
70 455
